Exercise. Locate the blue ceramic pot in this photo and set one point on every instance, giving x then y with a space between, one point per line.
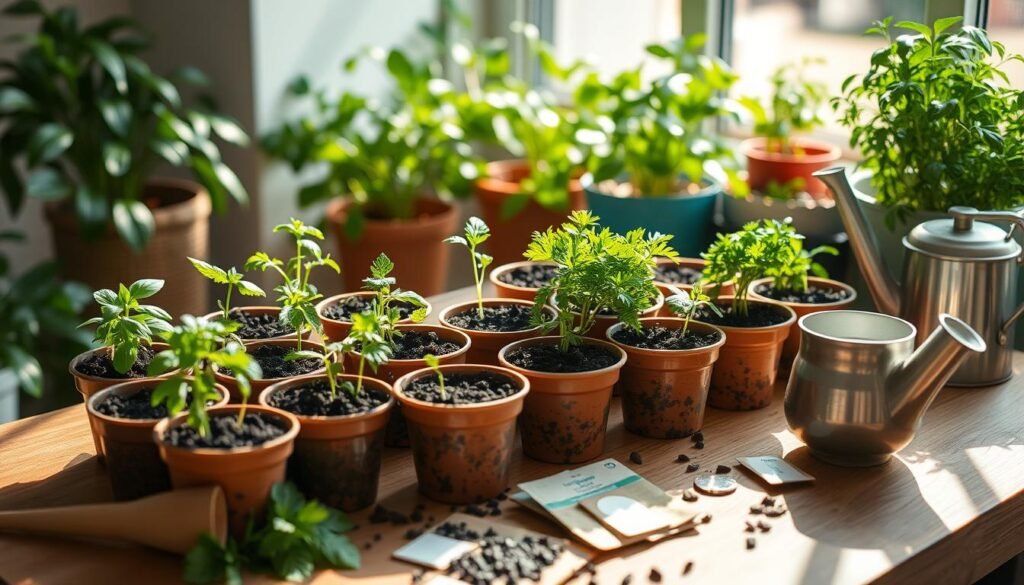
688 218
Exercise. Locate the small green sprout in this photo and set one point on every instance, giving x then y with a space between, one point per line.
387 314
435 364
686 305
232 278
476 233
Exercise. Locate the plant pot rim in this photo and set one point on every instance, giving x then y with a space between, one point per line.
155 346
94 400
289 435
264 398
499 186
441 211
755 148
406 379
711 188
659 302
721 300
489 302
667 352
510 266
322 306
182 212
223 379
826 282
553 340
437 329
682 261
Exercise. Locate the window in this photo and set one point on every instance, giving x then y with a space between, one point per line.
1006 25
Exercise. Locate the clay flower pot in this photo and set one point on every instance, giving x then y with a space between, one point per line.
256 310
416 245
664 391
337 458
462 452
511 234
602 323
765 166
792 345
337 330
262 384
511 291
726 288
565 415
485 345
748 363
246 474
132 459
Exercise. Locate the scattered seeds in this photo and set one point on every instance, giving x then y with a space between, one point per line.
504 559
697 437
627 579
699 444
413 533
690 496
763 526
687 567
692 467
636 458
775 511
768 501
683 458
705 519
749 527
722 469
654 576
751 543
376 537
756 509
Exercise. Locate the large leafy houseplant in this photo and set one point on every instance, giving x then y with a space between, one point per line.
88 120
937 120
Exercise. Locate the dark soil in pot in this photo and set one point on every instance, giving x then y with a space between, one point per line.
348 306
676 274
498 319
413 345
136 406
664 338
462 388
258 325
100 365
549 358
757 316
813 295
314 399
272 362
529 276
226 433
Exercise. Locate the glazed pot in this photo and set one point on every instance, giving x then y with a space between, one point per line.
602 323
792 345
337 458
748 362
132 459
511 291
462 452
697 264
262 384
565 415
485 345
664 391
416 245
246 474
510 234
336 330
256 310
766 166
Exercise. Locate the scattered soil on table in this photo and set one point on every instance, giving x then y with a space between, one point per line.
462 388
659 337
314 399
813 295
413 345
272 362
549 358
500 559
757 316
635 457
258 325
136 406
499 319
676 274
226 433
348 306
101 365
533 276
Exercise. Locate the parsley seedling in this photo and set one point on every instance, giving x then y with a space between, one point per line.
434 364
685 305
387 314
125 324
476 233
230 277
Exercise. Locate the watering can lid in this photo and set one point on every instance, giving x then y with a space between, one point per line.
983 241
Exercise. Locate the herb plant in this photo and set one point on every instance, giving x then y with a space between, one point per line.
686 305
88 121
366 337
434 364
125 324
937 119
597 271
793 106
232 278
476 233
384 309
297 536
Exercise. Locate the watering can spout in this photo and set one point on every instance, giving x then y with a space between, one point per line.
884 288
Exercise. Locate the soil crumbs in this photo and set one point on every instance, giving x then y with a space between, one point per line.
471 388
550 358
500 319
101 365
314 399
665 338
226 433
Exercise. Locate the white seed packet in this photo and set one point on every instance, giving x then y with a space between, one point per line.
774 470
433 550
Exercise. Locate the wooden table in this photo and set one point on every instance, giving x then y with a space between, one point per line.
948 509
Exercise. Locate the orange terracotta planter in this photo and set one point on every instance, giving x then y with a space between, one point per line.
566 414
510 235
664 392
485 345
748 363
246 474
132 459
416 246
337 458
792 345
256 310
727 288
462 452
337 330
511 291
764 166
262 384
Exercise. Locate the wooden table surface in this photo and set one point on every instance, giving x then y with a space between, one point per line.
947 509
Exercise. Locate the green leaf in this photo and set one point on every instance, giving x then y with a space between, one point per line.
47 184
117 114
399 65
92 209
48 142
125 355
944 23
228 130
230 181
917 27
134 222
214 273
176 153
145 288
111 62
206 562
116 158
513 205
13 99
25 367
249 289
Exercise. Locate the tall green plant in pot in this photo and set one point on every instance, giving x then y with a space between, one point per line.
85 124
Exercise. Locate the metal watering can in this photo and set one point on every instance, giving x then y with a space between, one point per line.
958 265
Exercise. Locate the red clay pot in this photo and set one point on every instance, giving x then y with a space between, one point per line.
256 310
262 384
485 345
510 291
727 288
764 166
338 330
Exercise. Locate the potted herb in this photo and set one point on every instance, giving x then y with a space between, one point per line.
660 168
664 384
521 280
490 323
571 376
755 330
254 322
671 274
462 425
85 124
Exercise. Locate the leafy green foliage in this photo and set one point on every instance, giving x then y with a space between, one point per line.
298 536
230 277
125 324
685 305
385 310
937 120
476 233
434 364
89 121
366 337
793 106
597 270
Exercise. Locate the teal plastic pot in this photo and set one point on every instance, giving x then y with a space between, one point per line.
688 218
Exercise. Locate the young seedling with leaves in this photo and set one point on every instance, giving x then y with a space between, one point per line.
476 233
792 275
597 271
434 364
384 306
125 324
365 337
232 278
794 105
686 305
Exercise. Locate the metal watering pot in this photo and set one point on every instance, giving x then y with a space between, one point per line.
959 265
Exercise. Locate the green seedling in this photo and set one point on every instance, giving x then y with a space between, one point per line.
387 314
476 233
794 105
366 339
686 305
232 278
124 324
434 364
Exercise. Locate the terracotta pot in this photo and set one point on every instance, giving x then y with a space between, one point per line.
697 264
337 458
256 310
602 323
664 392
485 345
764 166
510 291
246 474
462 452
792 345
510 235
338 330
181 213
416 246
744 376
132 459
262 384
565 415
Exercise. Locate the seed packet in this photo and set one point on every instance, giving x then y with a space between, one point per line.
774 470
